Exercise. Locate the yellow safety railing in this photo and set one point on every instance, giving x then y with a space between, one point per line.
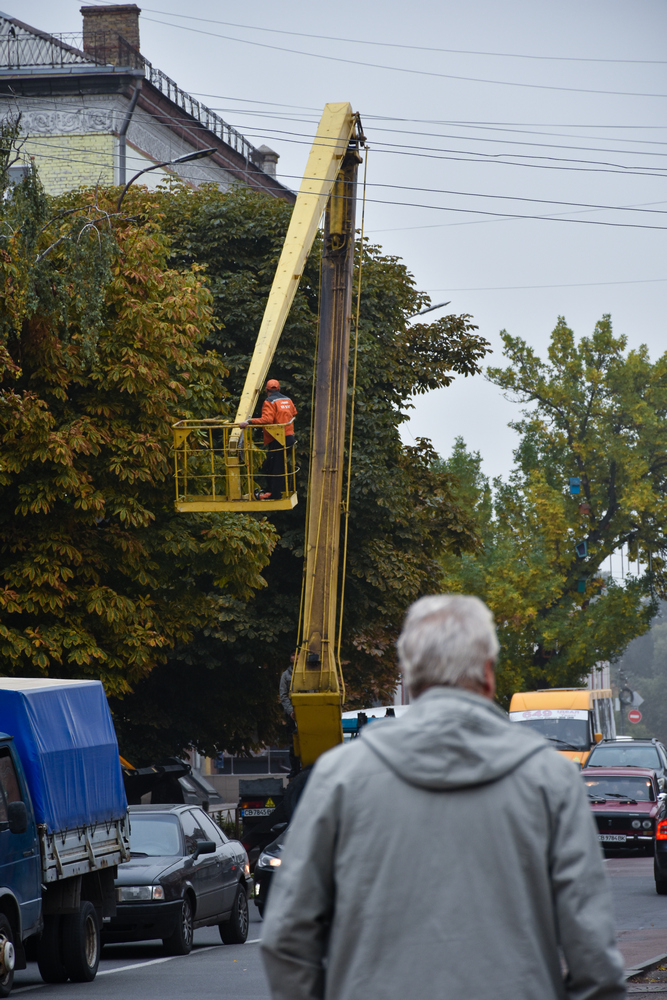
214 473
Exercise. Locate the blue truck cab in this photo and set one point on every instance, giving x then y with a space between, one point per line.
63 826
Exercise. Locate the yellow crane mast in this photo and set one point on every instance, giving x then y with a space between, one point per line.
216 462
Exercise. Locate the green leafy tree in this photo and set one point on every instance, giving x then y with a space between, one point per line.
100 350
403 514
595 413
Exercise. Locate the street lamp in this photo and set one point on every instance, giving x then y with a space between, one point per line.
429 310
167 163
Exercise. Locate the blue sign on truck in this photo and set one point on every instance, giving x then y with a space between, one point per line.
63 825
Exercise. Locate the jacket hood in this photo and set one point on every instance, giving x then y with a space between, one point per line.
452 738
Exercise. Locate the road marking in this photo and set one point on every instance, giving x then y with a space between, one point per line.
255 941
136 965
156 961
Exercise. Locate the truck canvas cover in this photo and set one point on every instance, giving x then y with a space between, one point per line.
65 738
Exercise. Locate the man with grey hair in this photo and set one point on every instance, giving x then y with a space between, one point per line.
446 854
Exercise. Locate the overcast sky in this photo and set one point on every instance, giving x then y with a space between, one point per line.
468 109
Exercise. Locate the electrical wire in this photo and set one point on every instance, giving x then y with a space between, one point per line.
482 157
576 284
473 153
409 187
436 208
400 45
402 69
465 156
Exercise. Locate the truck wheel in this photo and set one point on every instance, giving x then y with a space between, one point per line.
81 943
6 956
50 952
180 942
235 930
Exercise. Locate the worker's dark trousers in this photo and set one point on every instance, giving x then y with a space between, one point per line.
295 763
274 466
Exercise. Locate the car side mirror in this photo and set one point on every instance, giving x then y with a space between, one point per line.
598 737
17 817
204 847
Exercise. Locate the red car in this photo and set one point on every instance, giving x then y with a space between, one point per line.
625 802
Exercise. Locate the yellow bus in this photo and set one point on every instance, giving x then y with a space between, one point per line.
573 719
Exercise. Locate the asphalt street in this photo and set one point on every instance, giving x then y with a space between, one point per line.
141 972
234 972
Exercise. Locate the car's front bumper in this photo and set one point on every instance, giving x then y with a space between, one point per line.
142 921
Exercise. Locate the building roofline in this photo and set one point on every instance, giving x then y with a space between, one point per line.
169 104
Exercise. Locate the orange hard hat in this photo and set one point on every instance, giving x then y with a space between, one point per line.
273 383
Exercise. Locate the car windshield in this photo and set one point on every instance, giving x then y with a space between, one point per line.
621 786
624 756
155 836
571 731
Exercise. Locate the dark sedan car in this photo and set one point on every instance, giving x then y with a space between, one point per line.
627 752
183 873
660 855
625 803
266 865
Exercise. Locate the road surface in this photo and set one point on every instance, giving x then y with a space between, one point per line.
234 972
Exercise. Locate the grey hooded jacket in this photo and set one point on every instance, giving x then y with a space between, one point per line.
447 854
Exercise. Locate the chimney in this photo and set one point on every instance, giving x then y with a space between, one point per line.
269 160
102 26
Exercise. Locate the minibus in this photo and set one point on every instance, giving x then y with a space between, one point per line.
572 719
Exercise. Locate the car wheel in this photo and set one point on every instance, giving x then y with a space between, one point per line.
235 930
7 956
50 952
180 942
81 943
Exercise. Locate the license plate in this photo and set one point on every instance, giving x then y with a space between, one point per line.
266 812
612 838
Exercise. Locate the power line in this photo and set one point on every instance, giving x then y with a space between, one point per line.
403 69
578 284
462 155
618 167
402 204
478 222
399 45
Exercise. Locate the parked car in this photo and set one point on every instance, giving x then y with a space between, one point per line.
625 751
625 802
660 854
266 865
183 873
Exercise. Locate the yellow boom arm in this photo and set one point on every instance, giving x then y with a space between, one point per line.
326 156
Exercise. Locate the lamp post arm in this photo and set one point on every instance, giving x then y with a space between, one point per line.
155 166
197 155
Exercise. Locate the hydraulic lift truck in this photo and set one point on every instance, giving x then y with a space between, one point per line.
216 463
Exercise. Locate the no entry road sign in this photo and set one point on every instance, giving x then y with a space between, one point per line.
634 715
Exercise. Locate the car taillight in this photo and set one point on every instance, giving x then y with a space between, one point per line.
661 831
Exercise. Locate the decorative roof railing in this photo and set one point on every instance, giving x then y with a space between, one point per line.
20 49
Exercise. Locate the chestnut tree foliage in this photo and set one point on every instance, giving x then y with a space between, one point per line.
100 350
596 412
112 326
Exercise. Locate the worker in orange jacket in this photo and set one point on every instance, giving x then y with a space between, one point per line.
277 409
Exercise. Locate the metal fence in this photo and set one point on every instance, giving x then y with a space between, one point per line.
23 50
